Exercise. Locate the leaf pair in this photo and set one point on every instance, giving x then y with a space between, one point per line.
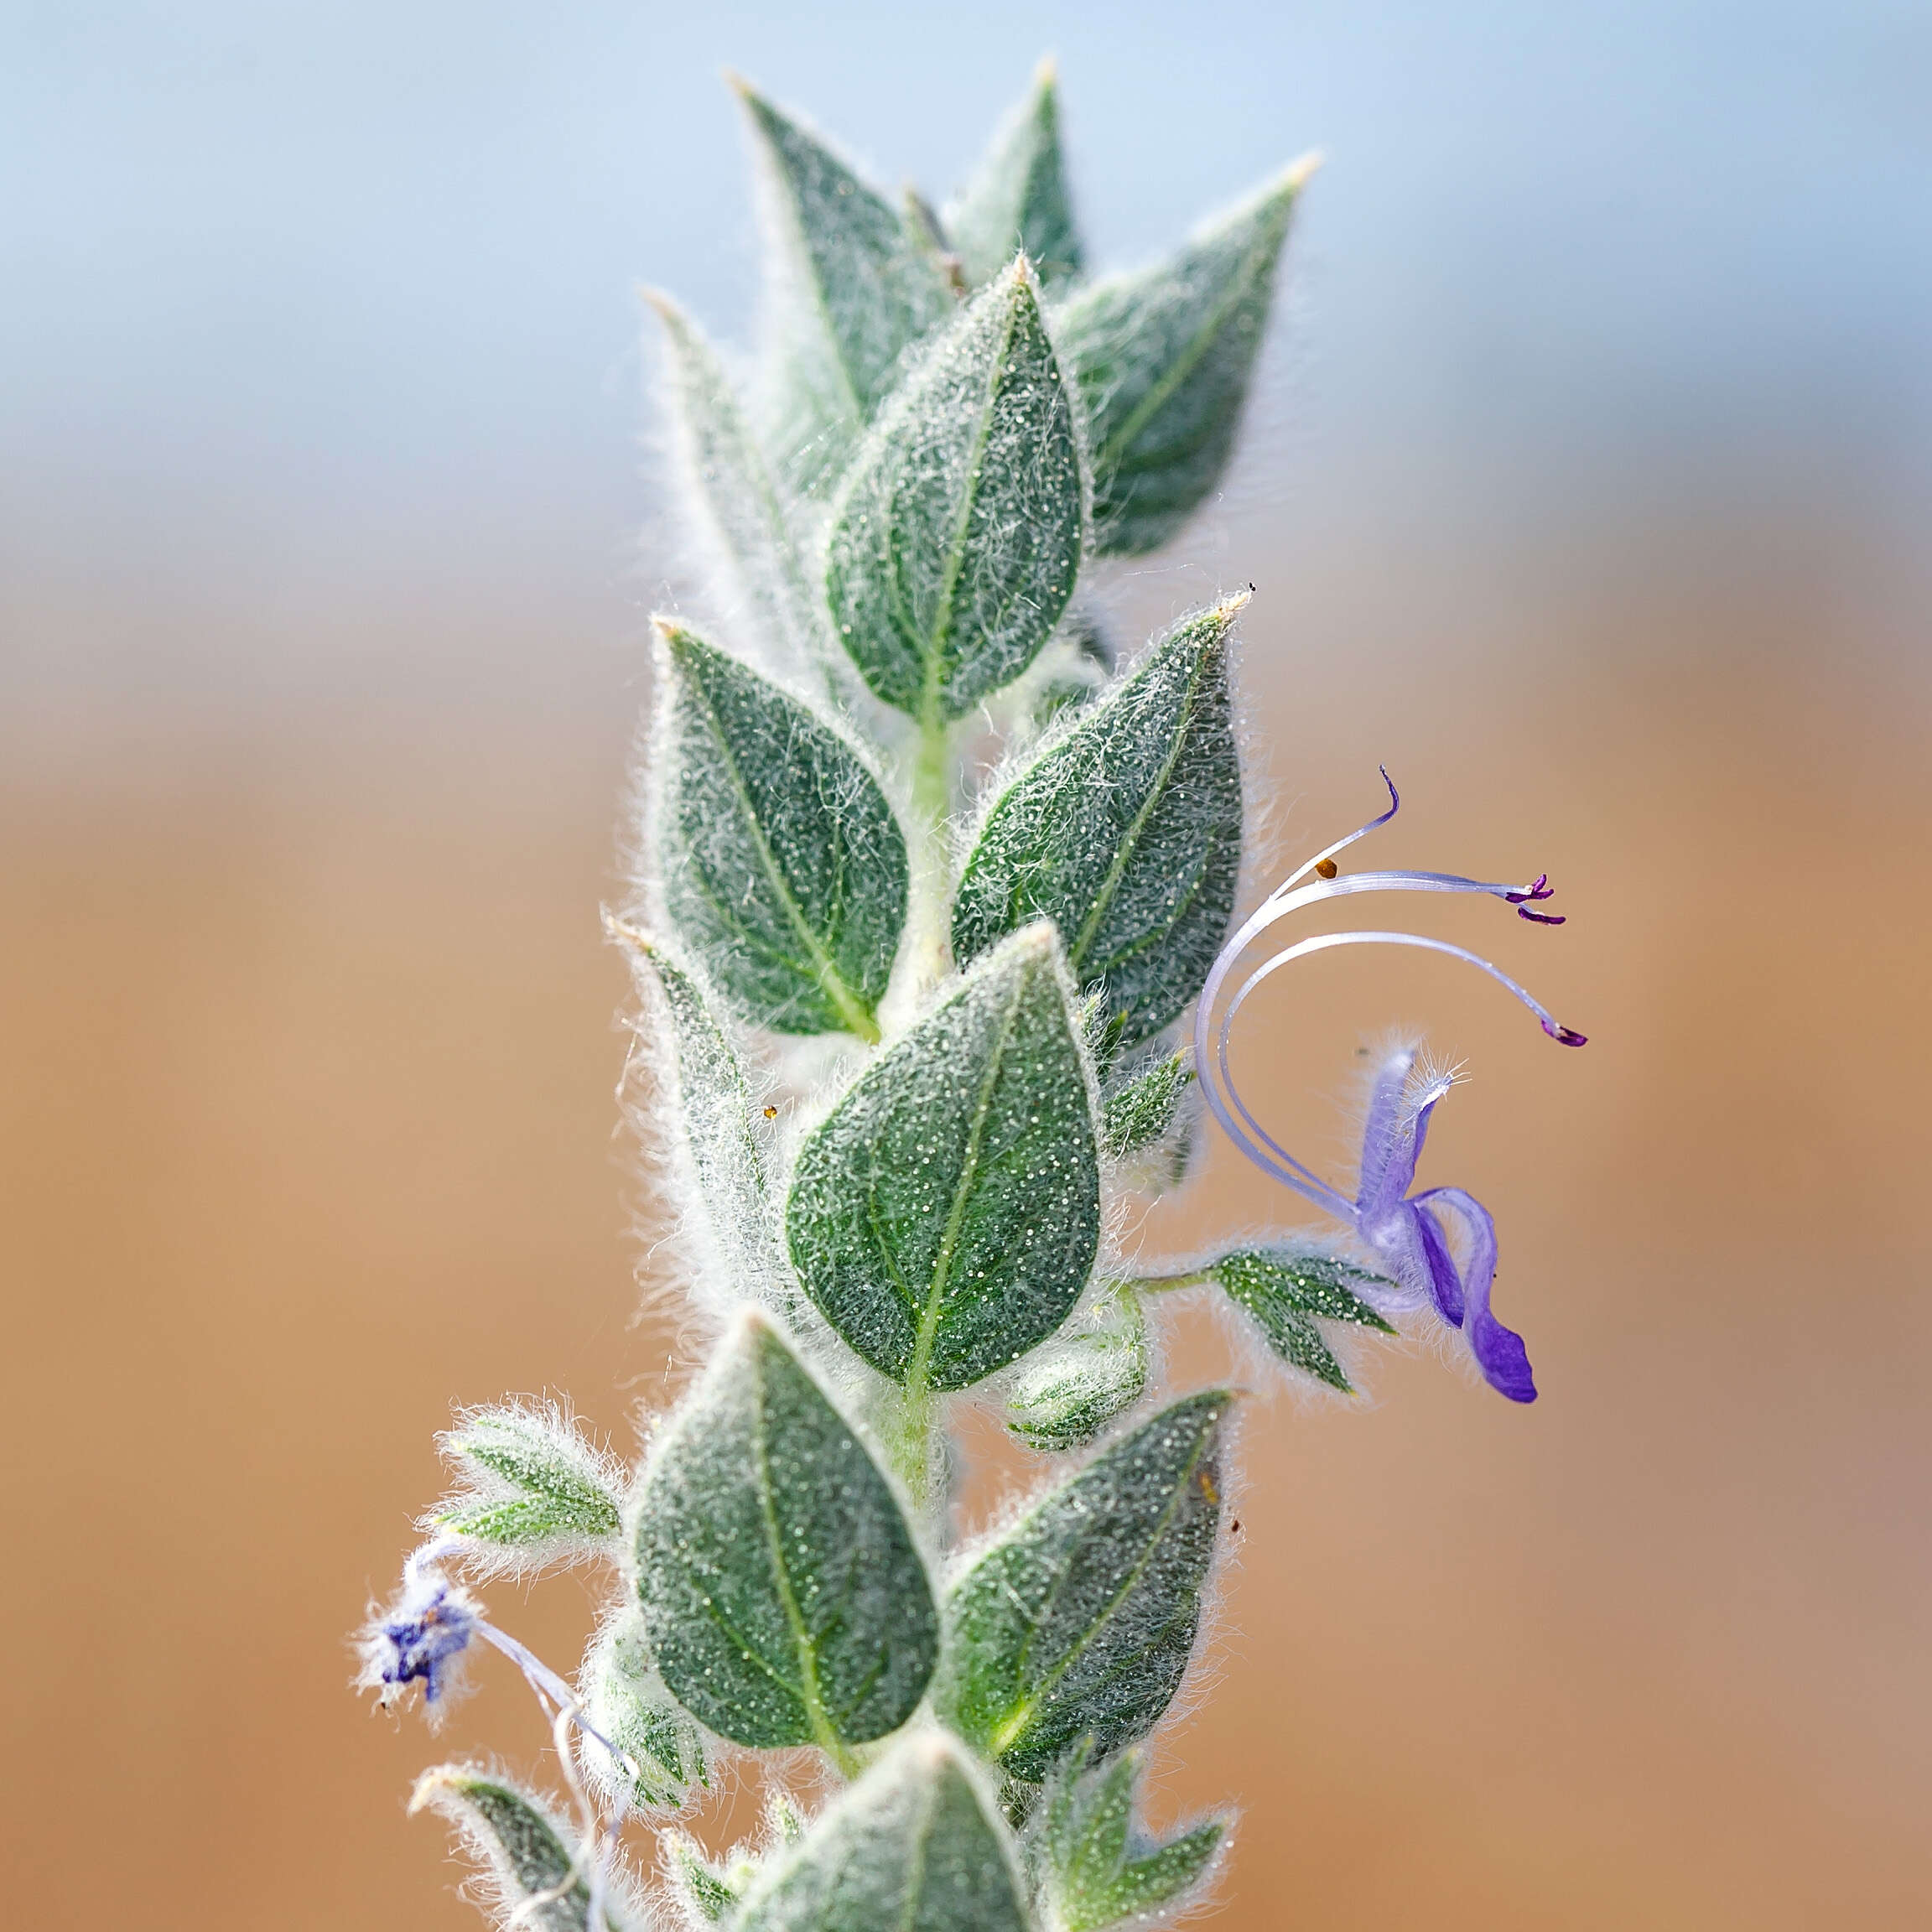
785 1603
1067 1394
532 1491
1164 357
1097 1871
1286 1291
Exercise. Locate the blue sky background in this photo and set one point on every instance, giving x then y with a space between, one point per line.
330 306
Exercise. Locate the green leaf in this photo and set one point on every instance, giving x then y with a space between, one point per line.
853 286
522 1851
733 492
1017 200
922 223
783 1600
1139 1112
1164 357
1078 1621
1285 1290
785 1822
714 1113
1068 1393
627 1702
783 866
945 1217
957 537
706 1892
534 1491
1126 833
1098 1869
911 1847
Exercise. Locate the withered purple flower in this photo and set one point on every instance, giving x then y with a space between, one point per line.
421 1636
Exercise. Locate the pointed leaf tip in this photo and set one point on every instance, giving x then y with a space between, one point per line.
1164 357
856 285
1018 196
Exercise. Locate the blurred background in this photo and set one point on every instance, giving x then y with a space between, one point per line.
1588 489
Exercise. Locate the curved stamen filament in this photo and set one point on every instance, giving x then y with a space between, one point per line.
1223 1095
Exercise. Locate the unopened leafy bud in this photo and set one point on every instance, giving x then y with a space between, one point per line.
1066 1394
1096 1867
641 1746
534 1491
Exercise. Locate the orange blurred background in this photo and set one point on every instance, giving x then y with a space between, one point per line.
307 1130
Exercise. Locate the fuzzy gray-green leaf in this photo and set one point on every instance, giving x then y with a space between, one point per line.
706 1892
735 495
1096 1873
945 1217
714 1113
1078 1622
1017 199
782 864
911 1847
1285 1290
783 1601
1164 359
533 1491
1126 833
1141 1110
853 287
512 1835
957 537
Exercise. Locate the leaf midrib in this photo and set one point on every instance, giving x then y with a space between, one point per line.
938 634
857 1016
916 1864
820 1719
920 1368
1018 1720
1130 840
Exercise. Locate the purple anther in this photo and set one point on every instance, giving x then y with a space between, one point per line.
1539 888
1542 918
1566 1035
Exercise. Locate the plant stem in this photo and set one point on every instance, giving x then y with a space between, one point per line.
931 805
906 1430
1164 1283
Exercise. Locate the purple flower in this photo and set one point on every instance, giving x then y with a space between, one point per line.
421 1638
1404 1231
